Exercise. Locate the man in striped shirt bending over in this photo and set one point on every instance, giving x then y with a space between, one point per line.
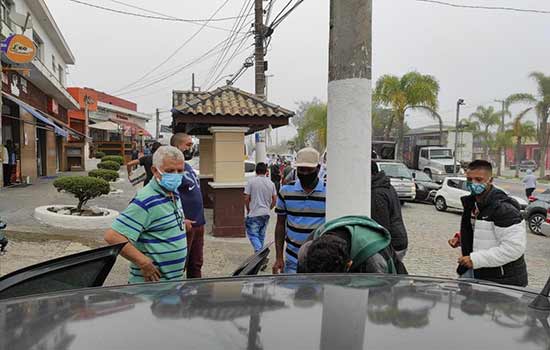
154 224
301 210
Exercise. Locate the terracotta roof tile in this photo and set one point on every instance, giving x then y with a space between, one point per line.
226 100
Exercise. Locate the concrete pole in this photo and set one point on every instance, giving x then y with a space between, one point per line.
349 141
501 150
158 115
459 103
260 73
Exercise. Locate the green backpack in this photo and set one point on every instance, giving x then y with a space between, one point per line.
368 238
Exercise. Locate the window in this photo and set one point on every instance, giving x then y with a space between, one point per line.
54 65
61 73
39 46
6 9
424 153
454 184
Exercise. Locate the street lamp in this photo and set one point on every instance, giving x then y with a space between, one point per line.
459 103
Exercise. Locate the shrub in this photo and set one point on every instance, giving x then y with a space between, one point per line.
105 174
109 165
99 155
83 188
118 159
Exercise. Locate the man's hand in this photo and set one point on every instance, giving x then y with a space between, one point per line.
455 241
189 224
278 266
466 262
149 271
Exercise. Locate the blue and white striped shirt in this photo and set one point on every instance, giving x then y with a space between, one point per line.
304 212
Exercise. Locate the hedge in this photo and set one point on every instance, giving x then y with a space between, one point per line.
118 159
109 165
99 155
83 188
105 174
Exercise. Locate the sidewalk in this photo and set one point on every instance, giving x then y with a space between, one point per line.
32 241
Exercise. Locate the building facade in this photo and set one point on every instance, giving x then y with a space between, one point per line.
34 95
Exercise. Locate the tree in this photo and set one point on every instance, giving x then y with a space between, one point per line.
541 102
313 127
412 90
83 188
382 124
521 132
483 119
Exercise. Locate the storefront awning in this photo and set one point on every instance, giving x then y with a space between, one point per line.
108 126
131 129
37 114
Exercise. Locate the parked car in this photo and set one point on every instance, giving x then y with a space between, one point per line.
401 178
425 187
536 212
454 188
300 311
528 164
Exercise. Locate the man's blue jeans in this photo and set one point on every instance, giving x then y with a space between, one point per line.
256 227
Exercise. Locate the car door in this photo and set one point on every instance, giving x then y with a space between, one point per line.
455 192
254 263
82 270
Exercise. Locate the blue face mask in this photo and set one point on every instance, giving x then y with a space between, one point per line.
170 181
476 189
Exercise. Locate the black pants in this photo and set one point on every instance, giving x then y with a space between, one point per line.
6 168
529 192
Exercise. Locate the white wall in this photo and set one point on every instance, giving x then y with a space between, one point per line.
49 48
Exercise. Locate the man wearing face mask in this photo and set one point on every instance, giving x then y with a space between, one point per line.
300 210
154 225
191 200
492 232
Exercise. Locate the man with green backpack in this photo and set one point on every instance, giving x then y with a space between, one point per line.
349 244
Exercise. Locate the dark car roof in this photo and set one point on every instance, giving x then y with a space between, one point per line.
283 312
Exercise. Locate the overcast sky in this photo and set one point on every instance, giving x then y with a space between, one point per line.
475 54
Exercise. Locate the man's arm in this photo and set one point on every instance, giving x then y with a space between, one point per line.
273 201
247 202
130 165
150 272
279 264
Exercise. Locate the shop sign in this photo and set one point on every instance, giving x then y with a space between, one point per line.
19 49
53 107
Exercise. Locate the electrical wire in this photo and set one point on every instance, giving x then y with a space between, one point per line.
212 72
172 17
479 7
278 21
283 10
172 74
173 53
235 54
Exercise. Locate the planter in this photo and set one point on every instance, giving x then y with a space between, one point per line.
74 222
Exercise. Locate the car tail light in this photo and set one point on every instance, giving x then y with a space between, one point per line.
532 199
548 220
548 211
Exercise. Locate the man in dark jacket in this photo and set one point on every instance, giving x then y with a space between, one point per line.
492 232
386 210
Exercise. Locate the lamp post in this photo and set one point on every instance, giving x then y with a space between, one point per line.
459 103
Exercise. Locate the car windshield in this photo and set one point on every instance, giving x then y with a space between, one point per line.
420 176
396 170
441 154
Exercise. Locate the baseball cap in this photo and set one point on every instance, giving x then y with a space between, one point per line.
307 157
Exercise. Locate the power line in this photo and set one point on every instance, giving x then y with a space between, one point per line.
161 17
212 72
479 7
209 53
175 51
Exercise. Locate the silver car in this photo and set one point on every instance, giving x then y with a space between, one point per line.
401 178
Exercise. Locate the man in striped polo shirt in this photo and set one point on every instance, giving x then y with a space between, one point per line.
300 208
154 223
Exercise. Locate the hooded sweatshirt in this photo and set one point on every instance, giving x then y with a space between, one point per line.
386 210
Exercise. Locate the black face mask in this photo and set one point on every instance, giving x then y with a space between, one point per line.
188 154
308 180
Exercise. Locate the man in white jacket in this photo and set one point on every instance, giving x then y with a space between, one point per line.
492 235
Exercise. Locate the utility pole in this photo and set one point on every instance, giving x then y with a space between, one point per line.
260 72
349 108
1 107
459 103
192 83
501 130
158 120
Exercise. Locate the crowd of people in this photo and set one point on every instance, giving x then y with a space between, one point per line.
164 223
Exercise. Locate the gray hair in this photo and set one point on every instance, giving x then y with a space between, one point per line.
165 152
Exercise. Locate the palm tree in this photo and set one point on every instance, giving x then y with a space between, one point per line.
484 118
541 102
314 123
522 131
412 90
